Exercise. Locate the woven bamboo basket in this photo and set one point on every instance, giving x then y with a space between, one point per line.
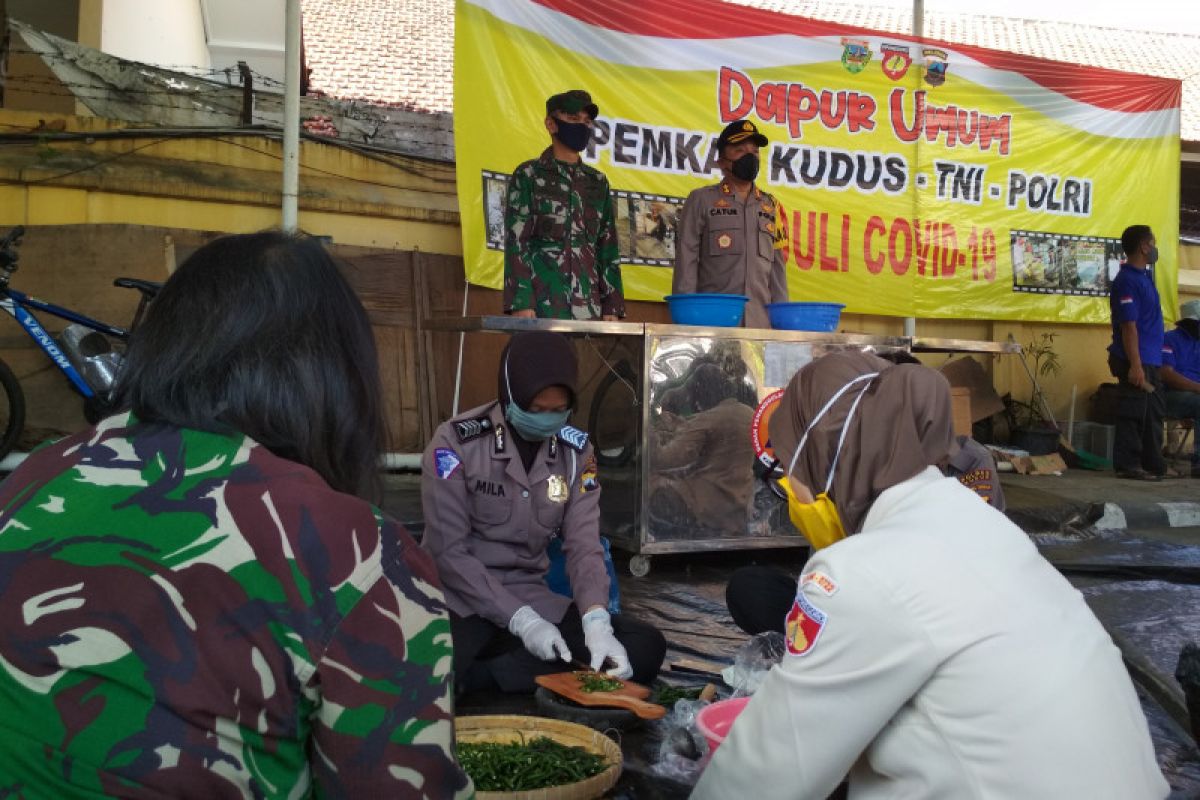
515 728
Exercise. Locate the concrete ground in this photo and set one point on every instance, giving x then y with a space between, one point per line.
1046 502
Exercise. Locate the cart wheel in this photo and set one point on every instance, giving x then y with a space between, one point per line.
639 566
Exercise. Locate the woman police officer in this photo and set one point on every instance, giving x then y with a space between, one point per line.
498 484
931 651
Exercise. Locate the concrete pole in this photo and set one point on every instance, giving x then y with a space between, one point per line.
918 30
291 117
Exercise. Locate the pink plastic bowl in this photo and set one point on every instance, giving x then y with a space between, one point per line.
714 721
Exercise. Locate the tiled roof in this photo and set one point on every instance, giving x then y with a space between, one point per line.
387 52
401 52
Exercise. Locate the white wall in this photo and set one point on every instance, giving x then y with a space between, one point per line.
167 33
246 30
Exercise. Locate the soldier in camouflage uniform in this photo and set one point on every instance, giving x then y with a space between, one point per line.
561 257
189 614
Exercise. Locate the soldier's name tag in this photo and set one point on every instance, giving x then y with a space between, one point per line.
556 489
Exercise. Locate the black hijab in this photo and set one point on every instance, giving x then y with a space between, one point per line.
531 362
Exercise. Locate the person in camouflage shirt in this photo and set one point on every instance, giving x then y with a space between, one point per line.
196 603
561 256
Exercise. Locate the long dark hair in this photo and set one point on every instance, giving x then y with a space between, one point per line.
260 334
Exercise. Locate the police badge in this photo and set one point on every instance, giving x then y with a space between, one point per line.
556 489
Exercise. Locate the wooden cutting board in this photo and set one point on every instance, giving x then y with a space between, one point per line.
631 696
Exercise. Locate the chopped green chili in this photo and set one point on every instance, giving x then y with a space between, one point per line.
597 682
519 767
666 695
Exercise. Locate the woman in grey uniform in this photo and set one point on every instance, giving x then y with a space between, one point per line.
499 483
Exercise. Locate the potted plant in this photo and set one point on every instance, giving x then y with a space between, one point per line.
1033 425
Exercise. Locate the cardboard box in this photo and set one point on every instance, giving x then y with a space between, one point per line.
960 410
969 373
1039 465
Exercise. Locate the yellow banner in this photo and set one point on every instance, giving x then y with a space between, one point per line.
918 179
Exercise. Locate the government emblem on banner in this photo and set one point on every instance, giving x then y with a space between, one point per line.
935 66
856 54
803 625
894 60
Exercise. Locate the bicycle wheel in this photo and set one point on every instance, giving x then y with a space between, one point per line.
12 409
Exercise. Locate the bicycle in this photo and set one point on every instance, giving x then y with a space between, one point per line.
96 398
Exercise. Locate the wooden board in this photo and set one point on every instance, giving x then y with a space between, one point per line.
631 696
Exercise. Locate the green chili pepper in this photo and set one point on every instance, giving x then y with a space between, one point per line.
666 695
597 682
518 767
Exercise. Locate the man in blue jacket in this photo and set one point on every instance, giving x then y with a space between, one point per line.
1134 358
1181 371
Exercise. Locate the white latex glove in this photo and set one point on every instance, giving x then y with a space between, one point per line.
539 636
598 635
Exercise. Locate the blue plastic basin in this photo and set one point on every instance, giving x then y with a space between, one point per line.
805 316
713 310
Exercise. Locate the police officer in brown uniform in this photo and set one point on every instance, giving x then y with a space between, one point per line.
731 239
497 484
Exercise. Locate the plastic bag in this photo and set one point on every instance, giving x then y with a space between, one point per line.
753 661
682 750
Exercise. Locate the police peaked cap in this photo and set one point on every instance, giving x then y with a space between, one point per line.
572 102
740 131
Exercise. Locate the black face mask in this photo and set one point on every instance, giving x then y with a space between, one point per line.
1152 256
746 167
574 135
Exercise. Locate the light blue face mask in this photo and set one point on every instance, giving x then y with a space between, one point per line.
536 426
533 426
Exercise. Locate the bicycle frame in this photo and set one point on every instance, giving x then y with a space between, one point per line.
15 303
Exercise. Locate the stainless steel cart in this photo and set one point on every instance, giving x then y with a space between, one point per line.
679 417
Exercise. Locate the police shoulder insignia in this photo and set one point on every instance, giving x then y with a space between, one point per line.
446 462
468 429
573 437
587 478
803 626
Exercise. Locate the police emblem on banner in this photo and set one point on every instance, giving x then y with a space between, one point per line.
894 60
935 66
856 54
803 625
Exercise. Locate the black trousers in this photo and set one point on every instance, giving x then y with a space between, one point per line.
488 657
759 598
1139 436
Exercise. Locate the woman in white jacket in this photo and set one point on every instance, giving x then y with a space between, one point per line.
932 652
